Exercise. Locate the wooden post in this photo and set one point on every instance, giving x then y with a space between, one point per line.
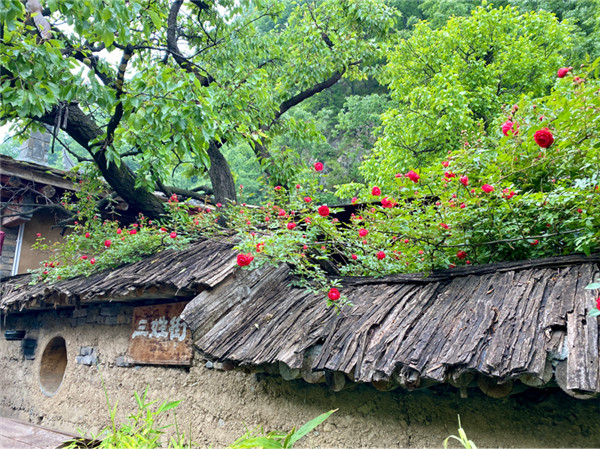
335 380
288 373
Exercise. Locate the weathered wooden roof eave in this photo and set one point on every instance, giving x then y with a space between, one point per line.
505 321
169 273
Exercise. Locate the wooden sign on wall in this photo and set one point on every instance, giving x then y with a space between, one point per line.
160 336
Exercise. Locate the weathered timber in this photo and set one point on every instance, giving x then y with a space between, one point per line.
502 324
538 382
494 389
310 376
561 374
288 373
502 321
336 381
171 273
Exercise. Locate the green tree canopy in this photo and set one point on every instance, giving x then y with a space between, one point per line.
192 76
458 78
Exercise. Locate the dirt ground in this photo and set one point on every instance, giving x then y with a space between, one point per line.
217 406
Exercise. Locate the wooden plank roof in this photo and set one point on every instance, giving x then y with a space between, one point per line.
30 171
169 273
503 321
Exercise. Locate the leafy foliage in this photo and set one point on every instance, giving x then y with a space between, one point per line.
228 83
278 440
457 78
94 244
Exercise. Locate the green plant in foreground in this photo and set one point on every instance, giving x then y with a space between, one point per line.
278 440
462 438
141 430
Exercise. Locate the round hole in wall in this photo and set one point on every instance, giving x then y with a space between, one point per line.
53 365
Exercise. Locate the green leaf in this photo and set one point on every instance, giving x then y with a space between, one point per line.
168 406
593 286
306 428
264 442
155 19
108 38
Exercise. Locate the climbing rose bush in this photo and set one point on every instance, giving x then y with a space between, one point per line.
507 196
93 243
500 197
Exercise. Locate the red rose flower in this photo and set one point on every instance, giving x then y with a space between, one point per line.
387 203
281 213
509 126
319 166
543 138
323 211
598 303
508 194
461 255
173 235
363 232
354 257
562 72
92 261
381 255
354 200
334 294
414 177
83 257
449 175
445 164
277 187
291 225
107 243
444 225
119 231
38 234
535 242
487 188
375 191
307 199
87 235
133 232
244 259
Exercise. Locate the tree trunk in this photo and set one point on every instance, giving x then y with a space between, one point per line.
83 130
220 175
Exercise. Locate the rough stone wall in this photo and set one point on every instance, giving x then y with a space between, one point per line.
217 405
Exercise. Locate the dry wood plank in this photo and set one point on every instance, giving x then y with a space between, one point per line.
582 337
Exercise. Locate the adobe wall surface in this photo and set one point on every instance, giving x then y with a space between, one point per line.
43 224
217 405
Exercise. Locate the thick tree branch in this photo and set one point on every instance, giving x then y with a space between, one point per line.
84 130
173 47
118 115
